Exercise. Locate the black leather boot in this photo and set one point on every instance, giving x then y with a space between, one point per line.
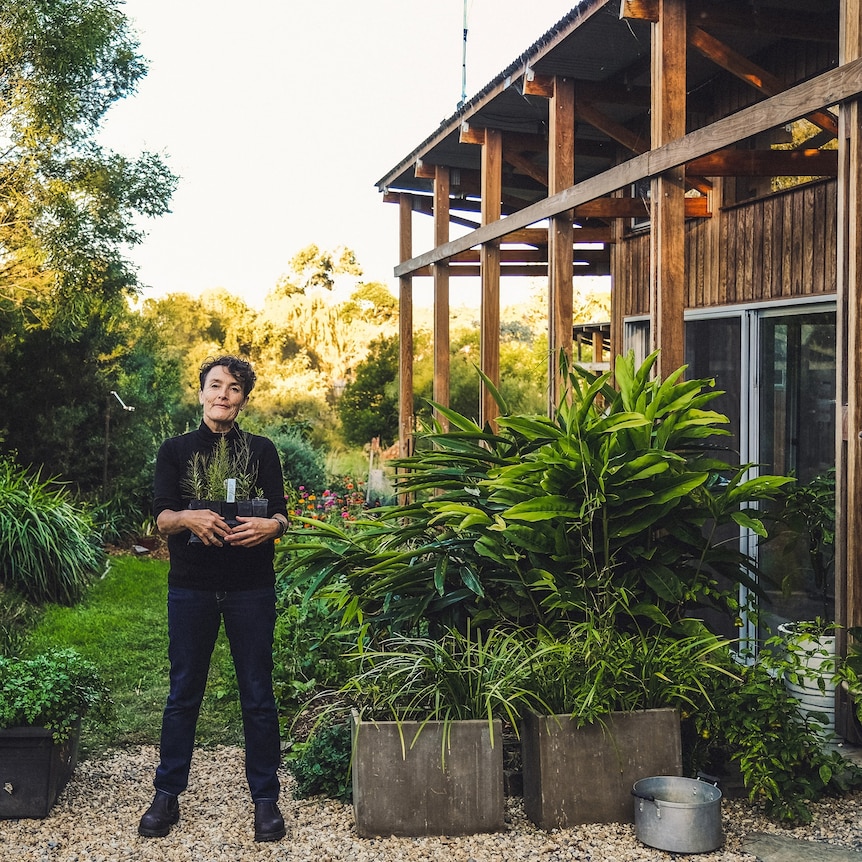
163 812
268 822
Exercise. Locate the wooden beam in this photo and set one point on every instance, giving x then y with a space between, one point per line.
766 163
609 208
561 175
590 114
532 255
740 66
538 85
424 170
520 162
471 134
667 204
832 87
526 270
489 262
617 132
441 383
848 445
786 23
405 332
536 236
639 10
591 91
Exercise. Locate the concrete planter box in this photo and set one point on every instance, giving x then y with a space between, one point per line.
421 788
33 770
585 775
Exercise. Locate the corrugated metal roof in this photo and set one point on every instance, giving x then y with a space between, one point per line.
593 45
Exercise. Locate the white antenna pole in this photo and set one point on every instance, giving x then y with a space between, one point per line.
464 60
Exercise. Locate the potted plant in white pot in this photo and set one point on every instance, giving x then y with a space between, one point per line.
42 702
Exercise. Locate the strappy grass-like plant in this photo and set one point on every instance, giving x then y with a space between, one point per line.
49 547
593 671
458 676
208 472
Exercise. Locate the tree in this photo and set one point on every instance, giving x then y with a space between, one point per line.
65 417
369 406
318 269
67 206
68 210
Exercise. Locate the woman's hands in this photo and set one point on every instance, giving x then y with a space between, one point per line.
212 529
252 531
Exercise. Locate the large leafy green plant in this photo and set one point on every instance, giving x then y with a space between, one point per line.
618 512
612 509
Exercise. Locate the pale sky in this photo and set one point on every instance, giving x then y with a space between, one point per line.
280 116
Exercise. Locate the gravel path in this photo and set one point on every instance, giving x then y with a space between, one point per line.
95 820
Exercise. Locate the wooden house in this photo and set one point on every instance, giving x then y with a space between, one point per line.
707 155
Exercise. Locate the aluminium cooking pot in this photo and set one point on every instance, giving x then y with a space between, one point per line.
679 815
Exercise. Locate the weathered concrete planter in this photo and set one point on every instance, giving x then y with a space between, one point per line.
412 788
578 775
33 770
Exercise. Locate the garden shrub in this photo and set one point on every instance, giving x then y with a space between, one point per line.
301 462
50 548
308 652
321 766
754 721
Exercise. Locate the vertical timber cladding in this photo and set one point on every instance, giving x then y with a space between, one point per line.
759 256
764 257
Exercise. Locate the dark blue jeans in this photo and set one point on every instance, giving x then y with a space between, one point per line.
194 617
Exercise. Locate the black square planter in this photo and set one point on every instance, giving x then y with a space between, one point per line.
33 770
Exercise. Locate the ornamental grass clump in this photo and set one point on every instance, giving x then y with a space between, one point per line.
458 676
50 549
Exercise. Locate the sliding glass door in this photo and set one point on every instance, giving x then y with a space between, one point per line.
777 370
795 436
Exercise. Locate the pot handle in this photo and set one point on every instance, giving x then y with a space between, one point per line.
710 779
640 795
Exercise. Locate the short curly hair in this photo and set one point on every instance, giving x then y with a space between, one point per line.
239 368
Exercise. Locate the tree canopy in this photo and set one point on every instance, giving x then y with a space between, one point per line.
68 207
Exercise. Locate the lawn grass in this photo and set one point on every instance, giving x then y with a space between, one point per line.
121 626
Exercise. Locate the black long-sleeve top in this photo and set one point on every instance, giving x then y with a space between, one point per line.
203 567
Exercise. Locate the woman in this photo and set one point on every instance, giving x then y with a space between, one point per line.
227 575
